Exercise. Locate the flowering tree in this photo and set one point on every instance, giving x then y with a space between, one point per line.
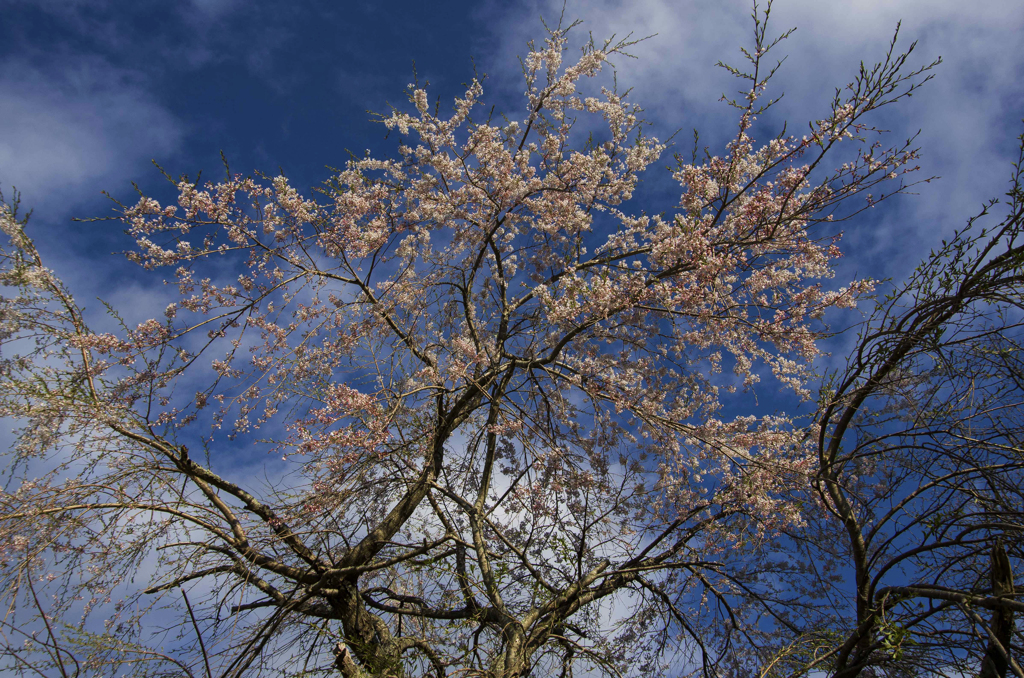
493 389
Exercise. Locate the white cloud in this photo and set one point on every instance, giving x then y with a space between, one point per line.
72 129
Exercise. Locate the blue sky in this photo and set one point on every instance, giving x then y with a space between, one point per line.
92 90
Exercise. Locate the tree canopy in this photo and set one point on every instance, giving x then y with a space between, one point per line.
494 393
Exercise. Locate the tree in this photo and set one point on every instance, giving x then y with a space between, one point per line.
493 387
920 468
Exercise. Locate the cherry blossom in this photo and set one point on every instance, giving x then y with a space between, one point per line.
494 382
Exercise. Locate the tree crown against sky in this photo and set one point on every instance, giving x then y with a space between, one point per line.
496 389
920 463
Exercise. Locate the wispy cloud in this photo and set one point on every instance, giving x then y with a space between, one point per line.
968 116
70 129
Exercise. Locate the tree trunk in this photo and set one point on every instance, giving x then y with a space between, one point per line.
513 661
996 659
367 639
